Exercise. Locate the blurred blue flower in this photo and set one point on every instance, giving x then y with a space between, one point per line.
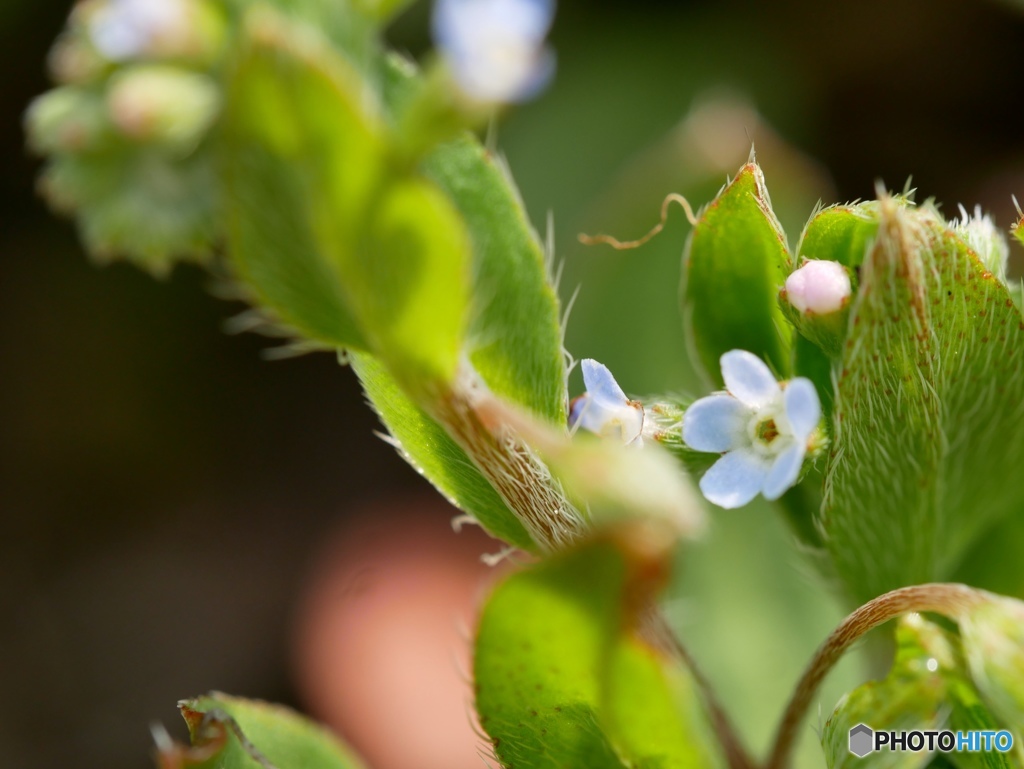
604 409
495 48
761 429
129 29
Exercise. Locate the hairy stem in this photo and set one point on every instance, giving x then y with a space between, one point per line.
948 599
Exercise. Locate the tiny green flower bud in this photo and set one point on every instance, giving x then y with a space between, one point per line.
993 640
66 119
162 105
73 61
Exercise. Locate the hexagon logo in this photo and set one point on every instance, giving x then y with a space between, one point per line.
862 740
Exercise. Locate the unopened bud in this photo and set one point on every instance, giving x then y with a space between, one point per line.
72 60
993 640
66 119
162 105
819 287
815 299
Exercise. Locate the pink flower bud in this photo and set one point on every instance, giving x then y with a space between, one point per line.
819 287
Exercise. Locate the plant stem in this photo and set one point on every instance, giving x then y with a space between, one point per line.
948 599
660 633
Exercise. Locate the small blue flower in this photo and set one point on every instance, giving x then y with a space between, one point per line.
495 48
604 409
761 429
129 29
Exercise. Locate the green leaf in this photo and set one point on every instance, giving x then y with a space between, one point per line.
736 261
565 676
379 260
409 284
233 733
989 564
515 335
646 701
927 688
840 234
143 205
294 125
428 448
928 429
381 10
969 713
993 637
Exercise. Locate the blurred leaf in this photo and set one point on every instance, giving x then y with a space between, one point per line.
233 733
146 205
410 284
927 688
352 31
294 126
928 429
381 11
645 702
986 565
612 482
428 448
810 361
515 335
564 676
736 261
384 257
969 713
993 637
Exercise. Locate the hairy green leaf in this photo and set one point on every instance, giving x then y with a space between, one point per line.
409 283
428 448
514 336
928 424
294 126
338 244
735 263
840 234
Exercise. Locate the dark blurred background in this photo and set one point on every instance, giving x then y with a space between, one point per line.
169 498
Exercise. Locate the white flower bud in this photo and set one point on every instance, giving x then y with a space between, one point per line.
819 287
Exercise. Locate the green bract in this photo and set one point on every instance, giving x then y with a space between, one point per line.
928 688
233 733
925 433
735 262
568 671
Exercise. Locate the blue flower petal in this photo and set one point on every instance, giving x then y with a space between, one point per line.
601 385
735 479
803 409
784 471
715 423
748 378
496 47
